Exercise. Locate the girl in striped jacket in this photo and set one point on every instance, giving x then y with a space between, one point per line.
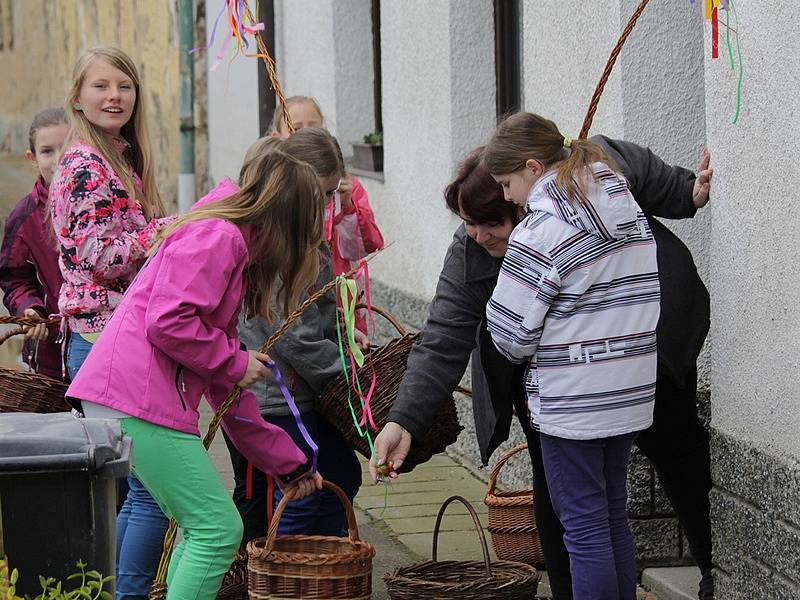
577 298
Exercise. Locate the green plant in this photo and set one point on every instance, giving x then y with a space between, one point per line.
374 139
90 587
8 589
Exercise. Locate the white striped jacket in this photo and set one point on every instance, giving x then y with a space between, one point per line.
578 297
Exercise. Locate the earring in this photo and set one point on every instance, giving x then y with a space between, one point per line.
77 106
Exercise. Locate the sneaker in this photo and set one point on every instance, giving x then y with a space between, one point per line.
706 586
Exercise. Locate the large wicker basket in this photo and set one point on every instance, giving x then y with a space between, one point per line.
389 362
465 580
511 521
25 391
310 567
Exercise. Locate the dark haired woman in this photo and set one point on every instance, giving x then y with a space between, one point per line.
676 443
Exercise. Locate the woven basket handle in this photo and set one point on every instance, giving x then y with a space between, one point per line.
386 315
352 526
402 331
478 526
503 460
11 333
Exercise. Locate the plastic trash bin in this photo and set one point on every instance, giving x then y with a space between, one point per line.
58 494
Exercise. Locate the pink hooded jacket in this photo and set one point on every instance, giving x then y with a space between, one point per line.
173 339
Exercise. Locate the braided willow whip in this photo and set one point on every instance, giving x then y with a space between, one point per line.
25 322
587 122
158 590
29 321
273 75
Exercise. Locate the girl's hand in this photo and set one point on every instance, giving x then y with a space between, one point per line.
256 371
346 191
702 185
306 485
35 332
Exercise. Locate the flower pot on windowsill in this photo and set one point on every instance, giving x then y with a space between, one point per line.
368 156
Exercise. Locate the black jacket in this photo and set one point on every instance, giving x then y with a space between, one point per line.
456 329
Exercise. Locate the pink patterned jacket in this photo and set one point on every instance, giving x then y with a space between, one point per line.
102 236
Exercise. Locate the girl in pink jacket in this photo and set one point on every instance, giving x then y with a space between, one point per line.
173 339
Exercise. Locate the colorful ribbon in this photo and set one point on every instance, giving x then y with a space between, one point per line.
348 299
238 29
295 413
348 379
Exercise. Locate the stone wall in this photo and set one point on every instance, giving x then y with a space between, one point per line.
49 37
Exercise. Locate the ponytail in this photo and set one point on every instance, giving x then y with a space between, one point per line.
524 136
572 172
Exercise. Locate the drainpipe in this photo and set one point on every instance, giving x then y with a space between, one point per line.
186 179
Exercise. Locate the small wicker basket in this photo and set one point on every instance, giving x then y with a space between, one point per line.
310 567
511 521
465 580
25 391
389 362
234 585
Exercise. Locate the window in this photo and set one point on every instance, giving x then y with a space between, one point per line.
507 56
376 63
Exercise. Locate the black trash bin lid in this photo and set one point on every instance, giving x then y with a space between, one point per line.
31 442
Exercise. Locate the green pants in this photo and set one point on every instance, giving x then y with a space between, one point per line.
177 470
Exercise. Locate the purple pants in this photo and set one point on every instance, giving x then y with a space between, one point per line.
587 482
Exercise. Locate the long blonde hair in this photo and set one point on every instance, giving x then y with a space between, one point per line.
524 136
278 123
281 199
139 155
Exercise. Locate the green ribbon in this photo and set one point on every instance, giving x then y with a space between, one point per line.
349 296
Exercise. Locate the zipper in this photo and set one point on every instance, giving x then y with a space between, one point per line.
180 385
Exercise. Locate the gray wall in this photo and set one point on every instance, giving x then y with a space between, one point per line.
755 322
232 89
438 103
324 50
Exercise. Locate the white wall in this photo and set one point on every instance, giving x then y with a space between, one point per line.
564 49
324 50
754 241
232 105
438 90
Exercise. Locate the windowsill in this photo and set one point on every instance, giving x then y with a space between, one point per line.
376 175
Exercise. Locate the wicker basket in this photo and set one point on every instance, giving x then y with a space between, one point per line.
465 580
234 585
511 521
310 567
24 391
389 362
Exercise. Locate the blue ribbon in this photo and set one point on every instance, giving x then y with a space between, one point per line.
295 412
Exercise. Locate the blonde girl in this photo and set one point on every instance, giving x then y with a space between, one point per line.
106 212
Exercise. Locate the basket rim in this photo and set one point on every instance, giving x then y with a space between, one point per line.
360 550
499 569
509 499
